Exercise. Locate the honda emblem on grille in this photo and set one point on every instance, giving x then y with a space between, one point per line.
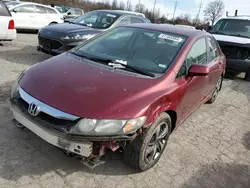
33 109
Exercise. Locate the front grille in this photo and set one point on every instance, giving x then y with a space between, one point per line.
234 52
49 43
45 119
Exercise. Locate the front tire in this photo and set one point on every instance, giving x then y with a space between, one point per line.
146 149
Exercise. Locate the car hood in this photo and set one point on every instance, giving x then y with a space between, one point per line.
232 39
65 29
90 90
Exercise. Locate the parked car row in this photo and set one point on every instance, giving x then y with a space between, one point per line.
56 39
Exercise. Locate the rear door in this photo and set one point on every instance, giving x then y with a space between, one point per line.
42 18
5 17
192 88
24 16
215 63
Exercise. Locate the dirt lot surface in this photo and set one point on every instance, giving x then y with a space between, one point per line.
211 149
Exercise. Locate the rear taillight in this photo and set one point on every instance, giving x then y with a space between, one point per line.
11 24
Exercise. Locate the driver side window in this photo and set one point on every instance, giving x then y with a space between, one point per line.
197 55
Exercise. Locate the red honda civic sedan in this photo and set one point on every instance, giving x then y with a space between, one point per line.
126 90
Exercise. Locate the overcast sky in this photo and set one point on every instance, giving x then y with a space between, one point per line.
192 6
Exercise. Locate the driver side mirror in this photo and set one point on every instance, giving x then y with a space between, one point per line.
14 10
198 70
69 13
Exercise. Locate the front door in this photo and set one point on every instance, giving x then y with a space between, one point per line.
24 16
192 88
215 63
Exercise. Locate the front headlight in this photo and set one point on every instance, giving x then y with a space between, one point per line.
77 37
95 127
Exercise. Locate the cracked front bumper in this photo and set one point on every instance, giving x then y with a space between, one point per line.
58 139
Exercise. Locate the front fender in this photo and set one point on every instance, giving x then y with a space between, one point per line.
156 109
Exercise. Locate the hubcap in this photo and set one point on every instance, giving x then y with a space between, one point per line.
157 143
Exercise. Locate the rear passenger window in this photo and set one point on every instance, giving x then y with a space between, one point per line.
4 10
137 20
40 10
213 51
51 11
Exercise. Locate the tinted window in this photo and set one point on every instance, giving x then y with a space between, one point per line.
150 50
137 20
233 27
4 10
212 49
51 11
40 10
124 21
97 19
25 9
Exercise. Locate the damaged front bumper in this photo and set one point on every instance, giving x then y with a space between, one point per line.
85 146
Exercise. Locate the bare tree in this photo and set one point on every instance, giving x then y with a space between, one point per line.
214 10
114 4
129 5
122 5
140 8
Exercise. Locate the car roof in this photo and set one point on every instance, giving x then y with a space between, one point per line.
24 3
122 12
170 29
237 17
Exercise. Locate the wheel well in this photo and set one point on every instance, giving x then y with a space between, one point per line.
173 117
53 23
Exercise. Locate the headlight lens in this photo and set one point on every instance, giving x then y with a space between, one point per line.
77 37
107 127
14 90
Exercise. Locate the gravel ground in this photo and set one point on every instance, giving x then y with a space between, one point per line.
211 149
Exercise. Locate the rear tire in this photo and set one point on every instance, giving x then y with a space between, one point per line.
146 149
216 91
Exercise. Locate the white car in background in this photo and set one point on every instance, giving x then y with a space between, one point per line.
34 16
7 25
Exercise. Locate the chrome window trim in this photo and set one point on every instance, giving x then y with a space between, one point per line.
46 108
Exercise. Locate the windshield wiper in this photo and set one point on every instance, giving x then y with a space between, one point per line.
116 64
122 65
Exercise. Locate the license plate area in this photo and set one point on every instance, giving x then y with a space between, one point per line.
83 149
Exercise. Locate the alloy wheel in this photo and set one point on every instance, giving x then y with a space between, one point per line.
157 143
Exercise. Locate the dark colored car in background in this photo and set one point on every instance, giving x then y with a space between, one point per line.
127 89
56 39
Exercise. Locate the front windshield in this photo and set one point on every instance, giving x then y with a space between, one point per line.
97 19
11 4
233 27
150 50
